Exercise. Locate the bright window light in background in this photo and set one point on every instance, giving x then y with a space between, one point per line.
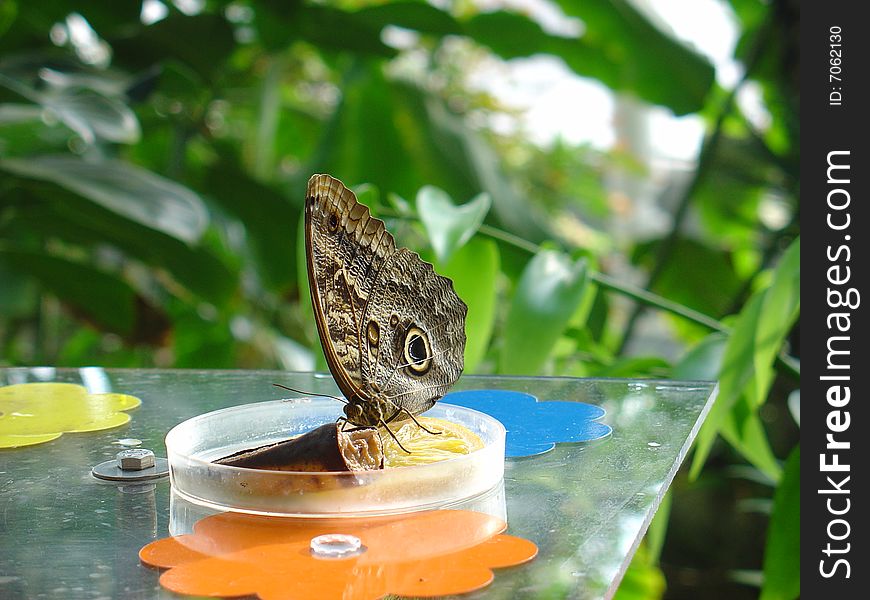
551 100
556 103
152 12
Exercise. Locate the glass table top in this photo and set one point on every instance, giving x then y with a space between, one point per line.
66 534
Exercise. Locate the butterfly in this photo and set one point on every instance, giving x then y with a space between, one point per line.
392 330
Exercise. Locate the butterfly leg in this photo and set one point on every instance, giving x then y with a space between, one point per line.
344 423
393 435
413 418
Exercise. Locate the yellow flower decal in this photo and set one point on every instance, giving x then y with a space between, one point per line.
33 413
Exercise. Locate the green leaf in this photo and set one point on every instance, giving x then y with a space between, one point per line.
704 360
474 269
270 220
336 29
742 428
370 109
782 575
134 193
642 580
202 42
508 34
697 275
547 294
744 431
735 375
18 294
54 213
419 16
99 297
410 137
747 368
778 313
8 12
728 197
658 529
449 227
93 116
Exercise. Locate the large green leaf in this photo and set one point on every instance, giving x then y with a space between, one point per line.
18 294
336 29
99 297
202 42
508 34
130 191
281 23
53 213
87 104
94 116
778 313
416 15
735 376
697 275
658 529
704 360
744 430
548 293
642 580
730 192
782 574
269 217
747 366
474 269
449 226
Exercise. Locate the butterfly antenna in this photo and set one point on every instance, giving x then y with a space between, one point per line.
304 393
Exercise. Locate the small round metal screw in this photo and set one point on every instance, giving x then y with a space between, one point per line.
135 459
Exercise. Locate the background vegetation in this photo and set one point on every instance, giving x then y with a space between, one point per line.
152 175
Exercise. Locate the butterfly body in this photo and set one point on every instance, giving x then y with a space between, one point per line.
392 330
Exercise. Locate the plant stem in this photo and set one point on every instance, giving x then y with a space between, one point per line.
648 298
509 238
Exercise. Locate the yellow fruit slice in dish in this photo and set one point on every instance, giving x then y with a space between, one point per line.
454 440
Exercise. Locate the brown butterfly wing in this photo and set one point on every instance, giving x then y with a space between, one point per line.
346 247
415 333
393 331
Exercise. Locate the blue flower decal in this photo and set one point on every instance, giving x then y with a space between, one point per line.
534 427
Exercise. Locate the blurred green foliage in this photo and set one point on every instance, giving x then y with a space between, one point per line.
152 176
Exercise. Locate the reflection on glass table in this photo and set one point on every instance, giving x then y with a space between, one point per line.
66 534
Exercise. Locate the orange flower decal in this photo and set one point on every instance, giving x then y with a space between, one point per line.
33 413
434 553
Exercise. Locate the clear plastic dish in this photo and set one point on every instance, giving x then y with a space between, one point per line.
193 445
